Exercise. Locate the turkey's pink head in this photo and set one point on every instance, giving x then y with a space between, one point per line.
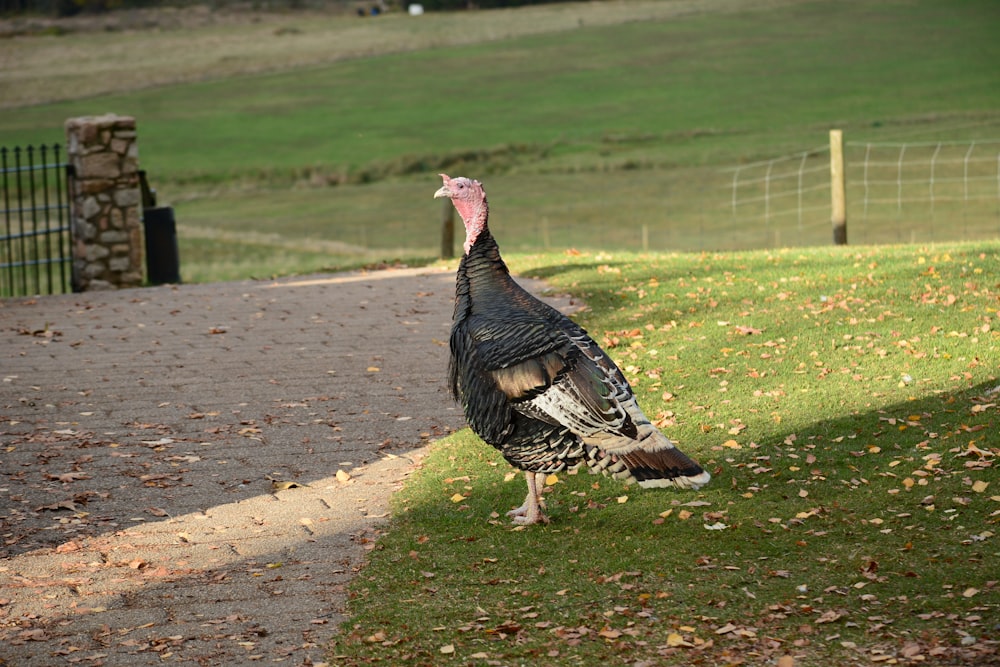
469 199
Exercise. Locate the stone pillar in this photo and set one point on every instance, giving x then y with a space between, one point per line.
105 207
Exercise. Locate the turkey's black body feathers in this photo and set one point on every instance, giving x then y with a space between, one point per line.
534 385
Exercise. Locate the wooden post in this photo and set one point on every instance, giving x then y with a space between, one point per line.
838 188
448 230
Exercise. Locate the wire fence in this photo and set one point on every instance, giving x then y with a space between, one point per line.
896 192
930 190
787 198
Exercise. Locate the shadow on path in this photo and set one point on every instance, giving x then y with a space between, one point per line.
192 473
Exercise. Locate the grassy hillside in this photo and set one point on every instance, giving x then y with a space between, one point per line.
845 402
713 88
97 54
587 129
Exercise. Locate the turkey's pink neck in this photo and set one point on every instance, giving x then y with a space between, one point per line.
474 215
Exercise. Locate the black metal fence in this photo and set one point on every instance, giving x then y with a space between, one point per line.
35 252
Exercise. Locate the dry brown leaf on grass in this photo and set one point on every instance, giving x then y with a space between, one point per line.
746 331
830 616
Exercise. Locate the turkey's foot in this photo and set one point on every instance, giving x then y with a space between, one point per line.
531 511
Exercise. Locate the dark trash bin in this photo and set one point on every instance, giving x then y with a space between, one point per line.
162 259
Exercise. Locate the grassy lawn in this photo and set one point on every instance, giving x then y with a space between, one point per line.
846 402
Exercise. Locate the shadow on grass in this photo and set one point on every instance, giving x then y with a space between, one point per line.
811 533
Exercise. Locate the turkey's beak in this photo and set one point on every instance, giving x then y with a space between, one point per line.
443 191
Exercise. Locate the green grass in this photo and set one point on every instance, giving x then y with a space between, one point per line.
223 42
845 401
753 84
585 132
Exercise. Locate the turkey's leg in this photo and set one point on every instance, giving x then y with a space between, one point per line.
531 511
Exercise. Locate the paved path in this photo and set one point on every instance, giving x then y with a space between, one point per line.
192 474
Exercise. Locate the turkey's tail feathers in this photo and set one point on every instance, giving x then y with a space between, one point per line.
650 470
650 460
693 482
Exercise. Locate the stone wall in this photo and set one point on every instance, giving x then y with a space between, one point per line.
106 202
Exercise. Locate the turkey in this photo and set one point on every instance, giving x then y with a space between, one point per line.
534 385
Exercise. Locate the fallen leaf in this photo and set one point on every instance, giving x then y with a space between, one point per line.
90 610
830 616
61 505
674 639
67 547
67 477
284 486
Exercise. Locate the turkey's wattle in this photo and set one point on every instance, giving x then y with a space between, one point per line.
534 385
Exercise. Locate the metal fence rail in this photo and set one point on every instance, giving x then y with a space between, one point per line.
35 238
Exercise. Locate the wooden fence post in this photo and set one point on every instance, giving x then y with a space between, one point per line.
838 188
448 230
